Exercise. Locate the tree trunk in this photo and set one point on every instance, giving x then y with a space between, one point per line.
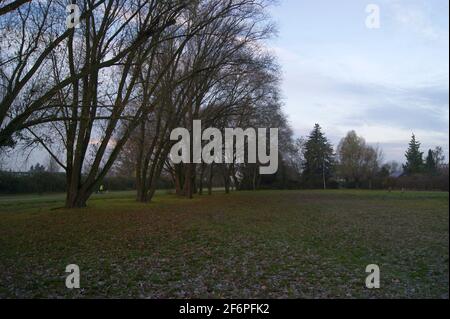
255 178
194 179
140 176
235 179
178 189
188 181
210 178
77 198
226 179
177 179
200 180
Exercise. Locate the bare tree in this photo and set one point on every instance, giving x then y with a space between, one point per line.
207 84
28 96
135 69
11 6
95 105
358 161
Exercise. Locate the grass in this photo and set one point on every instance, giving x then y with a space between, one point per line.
268 244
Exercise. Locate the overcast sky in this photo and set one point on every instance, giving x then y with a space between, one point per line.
384 83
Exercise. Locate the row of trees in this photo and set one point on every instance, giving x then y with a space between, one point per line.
318 165
310 162
355 164
107 94
102 99
304 163
416 164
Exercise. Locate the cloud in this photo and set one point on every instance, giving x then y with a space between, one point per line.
345 93
416 16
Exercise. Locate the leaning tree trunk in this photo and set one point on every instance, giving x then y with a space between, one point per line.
177 175
141 172
155 173
255 178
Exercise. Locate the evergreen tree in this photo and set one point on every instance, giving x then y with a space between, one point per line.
414 158
319 159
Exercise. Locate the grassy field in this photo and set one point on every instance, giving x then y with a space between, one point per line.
268 244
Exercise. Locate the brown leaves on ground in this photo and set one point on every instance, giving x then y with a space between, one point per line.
244 245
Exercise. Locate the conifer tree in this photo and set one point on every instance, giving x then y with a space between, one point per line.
414 158
319 159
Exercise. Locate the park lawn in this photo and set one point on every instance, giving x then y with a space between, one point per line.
267 244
